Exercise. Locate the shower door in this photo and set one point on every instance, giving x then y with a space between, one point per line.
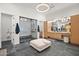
25 29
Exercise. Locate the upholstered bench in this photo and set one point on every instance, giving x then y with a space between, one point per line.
40 44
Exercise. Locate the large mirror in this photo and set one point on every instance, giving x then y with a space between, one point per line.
60 25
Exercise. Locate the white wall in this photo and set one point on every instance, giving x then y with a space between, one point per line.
6 27
15 37
69 11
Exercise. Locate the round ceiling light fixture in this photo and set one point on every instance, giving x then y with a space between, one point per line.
42 7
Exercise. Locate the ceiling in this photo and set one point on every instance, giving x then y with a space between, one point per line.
57 6
59 10
29 10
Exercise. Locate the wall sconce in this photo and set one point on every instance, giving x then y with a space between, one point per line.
23 19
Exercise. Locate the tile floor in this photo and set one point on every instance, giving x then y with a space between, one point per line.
58 48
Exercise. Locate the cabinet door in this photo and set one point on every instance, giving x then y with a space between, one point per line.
45 29
75 29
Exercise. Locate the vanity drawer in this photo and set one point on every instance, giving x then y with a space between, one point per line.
55 35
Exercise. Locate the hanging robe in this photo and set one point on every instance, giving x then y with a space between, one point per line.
17 29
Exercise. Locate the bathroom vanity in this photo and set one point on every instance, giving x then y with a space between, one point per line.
58 35
57 30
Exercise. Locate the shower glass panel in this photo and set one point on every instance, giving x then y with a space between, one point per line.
6 27
25 29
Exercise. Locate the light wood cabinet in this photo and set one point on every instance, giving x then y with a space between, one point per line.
55 35
75 29
45 29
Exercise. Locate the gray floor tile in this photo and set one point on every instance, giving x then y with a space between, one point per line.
58 48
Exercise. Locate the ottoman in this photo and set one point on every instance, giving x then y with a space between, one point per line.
40 44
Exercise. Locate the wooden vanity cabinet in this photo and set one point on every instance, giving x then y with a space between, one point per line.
55 35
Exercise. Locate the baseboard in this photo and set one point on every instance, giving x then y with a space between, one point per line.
74 44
